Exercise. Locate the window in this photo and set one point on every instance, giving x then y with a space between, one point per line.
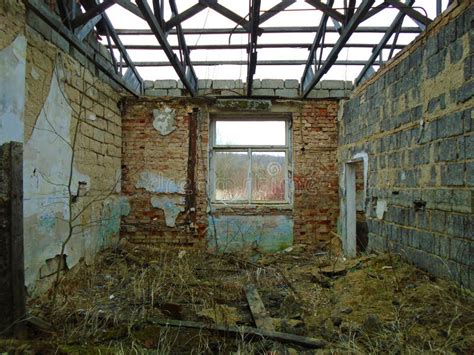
250 160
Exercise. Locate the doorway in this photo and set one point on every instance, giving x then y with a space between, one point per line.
356 229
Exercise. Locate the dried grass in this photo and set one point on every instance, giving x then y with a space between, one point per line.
108 307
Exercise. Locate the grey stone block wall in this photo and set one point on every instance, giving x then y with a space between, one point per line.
415 122
334 89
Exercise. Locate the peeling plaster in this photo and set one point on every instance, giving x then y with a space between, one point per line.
165 120
172 206
46 207
268 233
154 182
12 90
381 208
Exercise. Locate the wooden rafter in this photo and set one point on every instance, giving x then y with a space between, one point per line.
179 18
326 9
408 10
91 13
378 49
252 47
161 37
345 35
275 10
307 73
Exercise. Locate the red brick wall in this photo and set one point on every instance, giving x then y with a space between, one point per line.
315 199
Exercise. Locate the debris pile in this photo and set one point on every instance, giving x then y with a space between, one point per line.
143 298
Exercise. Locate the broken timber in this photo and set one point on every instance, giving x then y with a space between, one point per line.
277 336
259 313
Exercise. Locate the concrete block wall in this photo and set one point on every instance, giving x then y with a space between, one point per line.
60 91
155 169
335 89
414 122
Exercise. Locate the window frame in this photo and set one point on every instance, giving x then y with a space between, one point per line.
249 149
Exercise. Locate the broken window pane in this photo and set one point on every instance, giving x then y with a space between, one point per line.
250 133
268 176
231 169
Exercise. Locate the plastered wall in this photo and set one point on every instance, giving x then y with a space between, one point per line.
157 134
413 124
69 123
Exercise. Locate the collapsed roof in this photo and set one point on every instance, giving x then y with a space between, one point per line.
311 38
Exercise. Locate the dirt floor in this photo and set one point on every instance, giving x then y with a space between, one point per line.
372 304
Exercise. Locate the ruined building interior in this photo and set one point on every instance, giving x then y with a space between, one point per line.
236 177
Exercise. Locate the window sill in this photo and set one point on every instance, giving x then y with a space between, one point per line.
216 206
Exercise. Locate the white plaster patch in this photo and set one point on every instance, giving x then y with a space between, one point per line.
165 120
154 182
381 208
91 117
171 206
12 90
34 74
46 169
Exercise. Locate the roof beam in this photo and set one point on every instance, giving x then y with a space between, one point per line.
128 5
275 62
41 10
224 11
186 14
87 28
113 34
161 37
275 10
316 42
350 10
298 29
259 46
184 51
375 53
345 35
408 10
375 10
254 12
90 14
158 10
328 10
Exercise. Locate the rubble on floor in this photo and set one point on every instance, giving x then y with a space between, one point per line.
143 299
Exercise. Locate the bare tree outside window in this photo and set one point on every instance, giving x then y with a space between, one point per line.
250 160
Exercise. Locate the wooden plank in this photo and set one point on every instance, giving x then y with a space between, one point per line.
12 280
17 261
259 313
249 331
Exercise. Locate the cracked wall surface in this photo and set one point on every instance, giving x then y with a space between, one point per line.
44 93
414 120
